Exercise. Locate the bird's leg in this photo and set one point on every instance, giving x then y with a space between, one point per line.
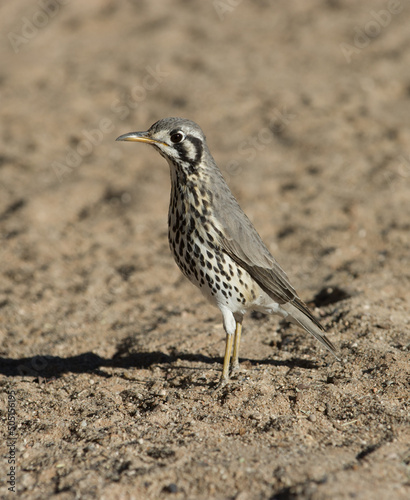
237 341
227 358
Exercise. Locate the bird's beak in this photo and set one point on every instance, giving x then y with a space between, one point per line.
139 137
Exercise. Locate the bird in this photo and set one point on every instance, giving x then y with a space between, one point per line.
214 243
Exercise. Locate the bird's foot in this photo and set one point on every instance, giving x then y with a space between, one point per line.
222 382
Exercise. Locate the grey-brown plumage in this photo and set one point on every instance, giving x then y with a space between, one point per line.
214 243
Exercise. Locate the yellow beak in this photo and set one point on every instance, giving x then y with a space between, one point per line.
139 137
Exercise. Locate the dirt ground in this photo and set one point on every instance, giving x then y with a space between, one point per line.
109 356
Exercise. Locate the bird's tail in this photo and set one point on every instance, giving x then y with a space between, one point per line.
300 315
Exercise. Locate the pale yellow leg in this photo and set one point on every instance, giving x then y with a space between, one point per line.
227 358
237 341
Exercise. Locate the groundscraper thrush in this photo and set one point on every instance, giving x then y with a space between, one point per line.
214 243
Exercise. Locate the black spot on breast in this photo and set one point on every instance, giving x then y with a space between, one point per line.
196 197
209 243
191 225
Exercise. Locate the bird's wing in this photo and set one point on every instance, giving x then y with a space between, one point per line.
243 244
240 240
249 252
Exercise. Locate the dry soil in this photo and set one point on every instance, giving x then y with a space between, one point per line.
112 357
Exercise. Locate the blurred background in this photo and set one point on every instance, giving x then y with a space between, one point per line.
306 109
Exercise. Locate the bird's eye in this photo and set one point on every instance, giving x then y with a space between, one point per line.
177 137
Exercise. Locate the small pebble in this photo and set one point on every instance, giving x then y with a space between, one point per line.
171 488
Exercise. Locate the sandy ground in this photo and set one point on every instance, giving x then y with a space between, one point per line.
109 357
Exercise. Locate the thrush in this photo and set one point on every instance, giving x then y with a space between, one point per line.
215 244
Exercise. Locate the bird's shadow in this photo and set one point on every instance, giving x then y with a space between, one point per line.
54 366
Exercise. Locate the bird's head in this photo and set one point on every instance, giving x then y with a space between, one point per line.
180 141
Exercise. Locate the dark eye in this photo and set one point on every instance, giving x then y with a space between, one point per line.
177 137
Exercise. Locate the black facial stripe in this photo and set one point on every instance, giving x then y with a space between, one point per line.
197 143
198 146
